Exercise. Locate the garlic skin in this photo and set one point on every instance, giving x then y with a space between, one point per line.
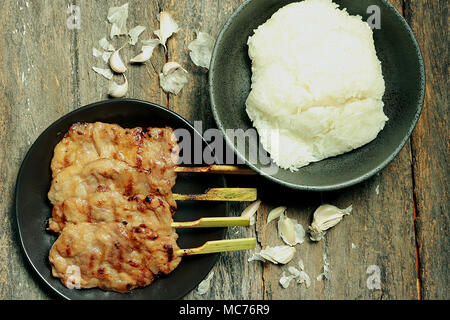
116 63
201 49
290 231
167 27
285 281
105 45
276 255
325 217
107 73
118 16
275 213
96 53
118 90
203 286
134 34
146 51
326 269
173 77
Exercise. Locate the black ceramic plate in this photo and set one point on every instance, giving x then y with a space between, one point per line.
403 70
33 208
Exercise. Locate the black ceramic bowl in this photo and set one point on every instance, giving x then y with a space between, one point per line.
33 207
403 70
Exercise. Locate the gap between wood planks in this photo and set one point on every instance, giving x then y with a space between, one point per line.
413 181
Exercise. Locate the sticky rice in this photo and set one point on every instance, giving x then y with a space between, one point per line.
317 84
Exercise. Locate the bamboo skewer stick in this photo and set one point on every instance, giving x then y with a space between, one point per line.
221 194
213 222
219 246
217 169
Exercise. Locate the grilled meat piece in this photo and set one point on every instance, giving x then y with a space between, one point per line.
111 206
78 181
153 149
112 255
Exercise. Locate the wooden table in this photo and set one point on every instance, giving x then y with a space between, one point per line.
45 72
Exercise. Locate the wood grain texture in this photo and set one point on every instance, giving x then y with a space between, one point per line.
36 86
430 148
46 71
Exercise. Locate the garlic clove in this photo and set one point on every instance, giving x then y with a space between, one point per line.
118 90
116 63
276 255
251 210
279 254
286 230
325 217
275 213
173 77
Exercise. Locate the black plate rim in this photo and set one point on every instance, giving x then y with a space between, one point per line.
419 107
30 151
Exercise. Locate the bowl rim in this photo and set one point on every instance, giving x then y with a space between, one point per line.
419 107
28 154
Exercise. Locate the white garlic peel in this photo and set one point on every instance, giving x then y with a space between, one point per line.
201 50
167 27
326 270
118 17
116 63
278 254
300 275
146 51
290 230
275 213
96 53
134 34
251 210
106 56
105 45
118 90
104 72
173 78
326 217
203 286
285 281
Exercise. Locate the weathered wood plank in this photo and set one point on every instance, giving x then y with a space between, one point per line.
36 84
430 148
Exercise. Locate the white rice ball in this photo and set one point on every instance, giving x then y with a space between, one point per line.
317 84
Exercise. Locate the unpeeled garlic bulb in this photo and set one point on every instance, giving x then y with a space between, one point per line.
325 217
